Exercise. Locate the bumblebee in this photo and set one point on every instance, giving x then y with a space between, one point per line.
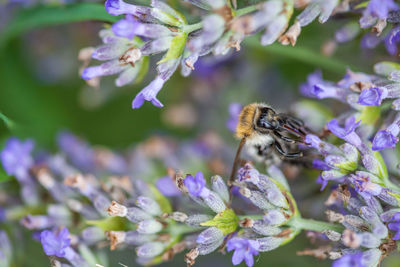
261 127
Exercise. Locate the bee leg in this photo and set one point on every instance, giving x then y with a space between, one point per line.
286 154
286 139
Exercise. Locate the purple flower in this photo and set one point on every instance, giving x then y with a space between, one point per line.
245 249
392 41
321 182
307 88
234 111
149 93
77 150
119 7
167 187
348 132
370 41
321 165
372 96
363 185
248 173
384 139
125 27
318 88
395 226
381 8
16 157
196 185
349 260
55 244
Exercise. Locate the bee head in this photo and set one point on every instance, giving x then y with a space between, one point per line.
264 119
256 118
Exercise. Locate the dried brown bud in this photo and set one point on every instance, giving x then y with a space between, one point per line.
190 257
334 216
246 223
116 209
350 239
115 237
290 37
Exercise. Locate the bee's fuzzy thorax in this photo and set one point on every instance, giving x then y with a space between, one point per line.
245 126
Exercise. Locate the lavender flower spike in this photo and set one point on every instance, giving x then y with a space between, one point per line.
348 132
196 185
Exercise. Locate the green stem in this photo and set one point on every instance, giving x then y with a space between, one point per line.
313 225
180 229
192 27
245 10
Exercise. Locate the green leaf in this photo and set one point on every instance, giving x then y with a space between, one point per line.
175 48
41 16
226 221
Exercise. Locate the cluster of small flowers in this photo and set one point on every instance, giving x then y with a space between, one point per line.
368 96
83 183
147 31
364 200
92 200
376 14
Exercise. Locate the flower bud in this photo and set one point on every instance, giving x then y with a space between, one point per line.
205 249
116 209
149 227
368 240
354 223
149 205
210 235
135 238
351 239
219 186
269 243
214 202
178 216
372 257
332 235
150 250
274 217
262 228
137 215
